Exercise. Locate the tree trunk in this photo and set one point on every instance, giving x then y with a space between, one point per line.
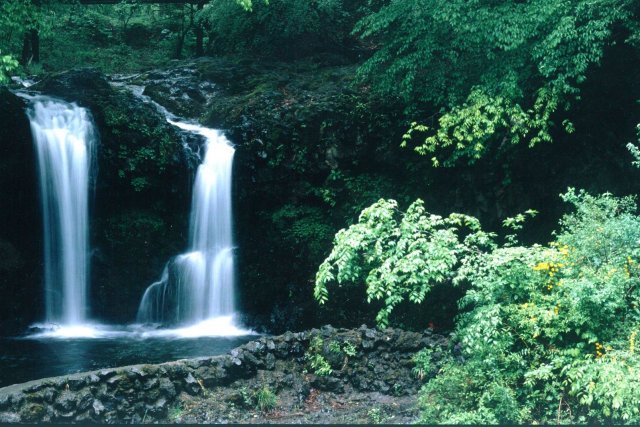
179 45
199 35
181 35
35 45
26 49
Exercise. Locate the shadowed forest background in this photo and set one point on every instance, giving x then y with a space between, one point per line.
463 165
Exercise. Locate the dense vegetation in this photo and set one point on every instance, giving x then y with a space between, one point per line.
523 98
547 332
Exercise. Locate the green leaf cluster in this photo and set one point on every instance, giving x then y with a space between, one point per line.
314 358
7 65
398 255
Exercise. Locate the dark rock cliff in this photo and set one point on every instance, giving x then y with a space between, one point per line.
20 221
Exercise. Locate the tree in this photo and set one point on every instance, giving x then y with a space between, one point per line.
491 73
23 22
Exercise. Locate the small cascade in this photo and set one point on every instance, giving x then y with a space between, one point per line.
197 287
65 139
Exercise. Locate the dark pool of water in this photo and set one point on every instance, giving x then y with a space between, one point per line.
24 360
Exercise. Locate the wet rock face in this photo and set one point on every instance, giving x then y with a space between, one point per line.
20 252
362 360
82 85
182 90
192 89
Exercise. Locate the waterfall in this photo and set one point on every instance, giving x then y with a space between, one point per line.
64 139
198 286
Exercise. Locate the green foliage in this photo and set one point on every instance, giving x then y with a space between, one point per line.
399 256
175 413
133 230
315 360
7 65
376 415
349 349
119 38
245 397
289 28
266 400
319 365
304 226
495 73
516 223
147 148
634 150
19 16
73 34
353 193
422 360
549 332
346 348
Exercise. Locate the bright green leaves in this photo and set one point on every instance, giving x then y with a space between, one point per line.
7 65
398 255
608 386
634 150
467 130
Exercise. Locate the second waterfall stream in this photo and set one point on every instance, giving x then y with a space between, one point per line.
196 290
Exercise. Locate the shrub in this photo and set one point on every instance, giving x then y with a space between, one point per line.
547 332
399 256
315 360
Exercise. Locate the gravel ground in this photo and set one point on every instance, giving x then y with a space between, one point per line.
237 403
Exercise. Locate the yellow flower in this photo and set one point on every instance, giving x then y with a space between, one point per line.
541 266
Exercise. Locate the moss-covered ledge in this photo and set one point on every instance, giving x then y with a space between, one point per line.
377 360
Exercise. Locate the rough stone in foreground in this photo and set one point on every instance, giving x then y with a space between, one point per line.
382 363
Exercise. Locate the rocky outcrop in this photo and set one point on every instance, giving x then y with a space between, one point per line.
377 360
306 139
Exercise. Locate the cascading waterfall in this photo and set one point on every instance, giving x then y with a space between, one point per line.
198 286
64 138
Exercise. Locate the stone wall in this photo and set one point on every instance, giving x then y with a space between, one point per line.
143 393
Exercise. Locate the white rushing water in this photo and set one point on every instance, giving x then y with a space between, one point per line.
196 289
64 138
